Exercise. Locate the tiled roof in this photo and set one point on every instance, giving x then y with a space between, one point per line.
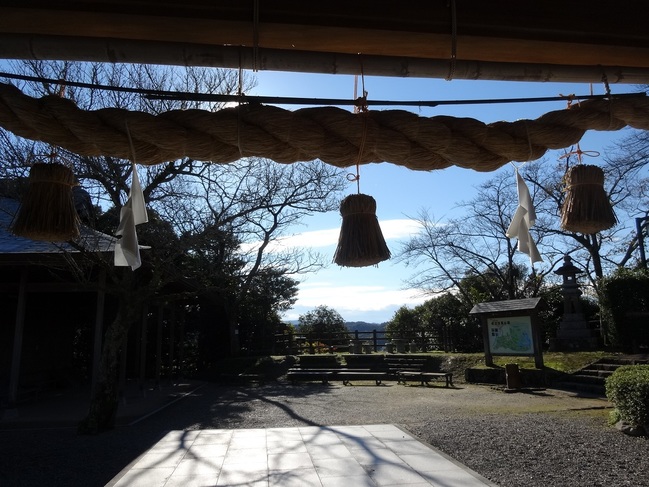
90 240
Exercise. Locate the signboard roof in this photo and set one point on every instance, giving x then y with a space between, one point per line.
525 304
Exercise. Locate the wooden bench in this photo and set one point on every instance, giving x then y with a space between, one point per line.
321 375
251 377
326 369
377 368
348 375
424 377
404 364
314 368
417 368
327 375
364 367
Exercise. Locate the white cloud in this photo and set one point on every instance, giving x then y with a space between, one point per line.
355 298
314 238
391 229
376 301
398 228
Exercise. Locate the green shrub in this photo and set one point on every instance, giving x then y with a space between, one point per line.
628 389
625 292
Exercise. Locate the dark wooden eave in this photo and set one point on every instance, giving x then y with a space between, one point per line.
509 40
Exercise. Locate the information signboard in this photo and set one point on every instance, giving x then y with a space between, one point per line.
511 328
511 335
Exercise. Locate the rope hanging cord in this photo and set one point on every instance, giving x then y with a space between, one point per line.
330 134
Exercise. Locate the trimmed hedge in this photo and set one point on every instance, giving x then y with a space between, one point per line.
628 389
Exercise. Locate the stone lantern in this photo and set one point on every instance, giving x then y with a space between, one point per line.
574 332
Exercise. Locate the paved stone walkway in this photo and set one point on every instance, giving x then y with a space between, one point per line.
349 456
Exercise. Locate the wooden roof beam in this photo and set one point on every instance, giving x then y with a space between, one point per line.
14 46
317 38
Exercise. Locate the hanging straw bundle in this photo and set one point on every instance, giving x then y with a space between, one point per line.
47 210
587 208
361 242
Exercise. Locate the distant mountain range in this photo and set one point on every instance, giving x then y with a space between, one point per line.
364 326
356 325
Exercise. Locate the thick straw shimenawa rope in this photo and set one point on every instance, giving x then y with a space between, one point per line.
330 134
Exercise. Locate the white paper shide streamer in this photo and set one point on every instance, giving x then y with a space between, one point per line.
523 220
127 249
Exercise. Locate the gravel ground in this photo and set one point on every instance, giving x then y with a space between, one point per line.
524 439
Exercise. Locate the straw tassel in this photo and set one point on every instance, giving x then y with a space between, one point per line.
361 242
587 208
47 210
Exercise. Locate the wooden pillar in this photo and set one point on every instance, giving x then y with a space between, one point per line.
143 330
14 378
181 348
158 346
488 358
172 338
123 356
537 339
99 329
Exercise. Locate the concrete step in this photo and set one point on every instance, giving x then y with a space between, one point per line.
595 389
603 366
596 373
618 361
592 378
587 379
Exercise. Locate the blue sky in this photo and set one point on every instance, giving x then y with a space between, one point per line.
373 294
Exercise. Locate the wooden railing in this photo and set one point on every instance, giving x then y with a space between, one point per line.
359 342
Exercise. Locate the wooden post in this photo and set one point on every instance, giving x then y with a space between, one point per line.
99 329
18 340
158 346
538 340
122 369
488 358
181 349
172 343
143 331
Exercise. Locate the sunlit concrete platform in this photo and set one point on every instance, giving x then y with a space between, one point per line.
331 456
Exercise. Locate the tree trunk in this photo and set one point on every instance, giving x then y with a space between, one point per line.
597 258
102 413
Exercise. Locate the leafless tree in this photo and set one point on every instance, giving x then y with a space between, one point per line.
626 183
249 204
446 252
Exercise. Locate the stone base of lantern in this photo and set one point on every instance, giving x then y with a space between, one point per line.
575 334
